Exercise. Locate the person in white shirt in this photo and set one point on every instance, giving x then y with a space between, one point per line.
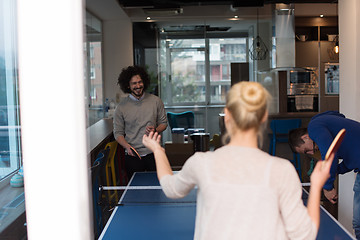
243 192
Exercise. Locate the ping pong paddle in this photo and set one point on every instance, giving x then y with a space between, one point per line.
135 152
335 143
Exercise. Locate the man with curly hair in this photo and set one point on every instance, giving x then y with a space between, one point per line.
137 114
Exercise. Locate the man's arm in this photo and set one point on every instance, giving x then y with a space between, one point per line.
342 169
121 140
161 117
323 138
161 128
331 195
318 178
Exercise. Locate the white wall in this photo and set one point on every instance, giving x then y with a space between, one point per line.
118 42
349 92
117 54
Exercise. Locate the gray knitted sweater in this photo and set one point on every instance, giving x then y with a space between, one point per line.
132 116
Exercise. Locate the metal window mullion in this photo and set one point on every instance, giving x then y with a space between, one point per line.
169 77
207 79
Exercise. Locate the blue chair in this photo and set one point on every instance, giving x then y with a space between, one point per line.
99 179
181 120
280 133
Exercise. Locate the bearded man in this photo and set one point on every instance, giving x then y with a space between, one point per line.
137 114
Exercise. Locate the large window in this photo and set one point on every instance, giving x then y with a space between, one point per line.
223 52
93 71
197 71
186 79
10 149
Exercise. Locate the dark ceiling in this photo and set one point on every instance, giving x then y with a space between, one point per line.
144 33
161 4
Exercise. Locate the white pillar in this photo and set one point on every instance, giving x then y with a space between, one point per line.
56 168
118 54
349 35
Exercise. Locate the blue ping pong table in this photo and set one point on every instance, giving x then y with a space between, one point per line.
149 214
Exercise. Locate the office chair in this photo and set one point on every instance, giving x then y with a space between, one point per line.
280 131
111 170
181 120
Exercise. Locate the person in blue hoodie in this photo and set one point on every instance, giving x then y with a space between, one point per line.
318 136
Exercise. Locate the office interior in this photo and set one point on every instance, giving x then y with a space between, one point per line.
56 147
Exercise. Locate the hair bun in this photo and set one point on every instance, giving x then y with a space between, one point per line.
253 95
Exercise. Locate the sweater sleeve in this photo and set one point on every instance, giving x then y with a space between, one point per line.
181 183
118 123
342 169
297 221
161 114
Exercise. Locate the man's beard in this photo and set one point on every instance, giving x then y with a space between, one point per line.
138 95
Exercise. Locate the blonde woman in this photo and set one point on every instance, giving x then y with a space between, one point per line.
243 192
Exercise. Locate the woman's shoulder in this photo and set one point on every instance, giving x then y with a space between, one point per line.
254 153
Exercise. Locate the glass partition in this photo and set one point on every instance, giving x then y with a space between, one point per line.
332 78
93 71
195 69
10 148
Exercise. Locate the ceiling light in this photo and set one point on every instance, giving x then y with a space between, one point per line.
258 50
321 15
148 18
236 16
163 12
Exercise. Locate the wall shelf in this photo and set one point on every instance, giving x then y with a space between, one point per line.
311 33
316 28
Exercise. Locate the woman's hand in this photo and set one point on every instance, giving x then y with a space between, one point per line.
152 141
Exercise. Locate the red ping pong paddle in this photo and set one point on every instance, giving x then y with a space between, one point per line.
335 143
135 153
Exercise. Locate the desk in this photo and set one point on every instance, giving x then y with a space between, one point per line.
98 135
148 214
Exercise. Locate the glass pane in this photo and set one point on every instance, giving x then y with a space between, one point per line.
96 92
186 43
10 152
223 52
182 70
332 78
93 71
188 76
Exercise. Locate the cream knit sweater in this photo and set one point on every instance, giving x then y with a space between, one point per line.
243 193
